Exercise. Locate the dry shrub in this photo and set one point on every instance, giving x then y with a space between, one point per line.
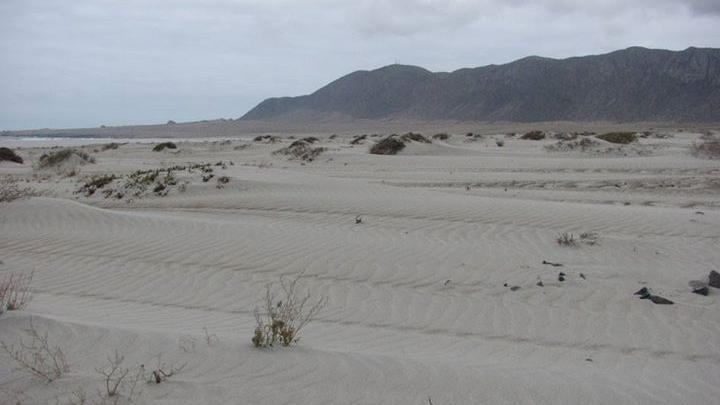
623 138
15 291
95 183
533 135
284 313
589 238
9 155
566 239
388 146
441 136
118 380
707 149
11 191
38 357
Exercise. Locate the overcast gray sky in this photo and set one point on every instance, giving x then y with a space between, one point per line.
83 63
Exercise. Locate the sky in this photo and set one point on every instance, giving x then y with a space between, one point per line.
86 63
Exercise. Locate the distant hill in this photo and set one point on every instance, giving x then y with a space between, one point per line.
634 84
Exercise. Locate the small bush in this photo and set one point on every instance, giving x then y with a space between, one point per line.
54 159
708 149
310 139
387 146
623 138
441 136
534 136
164 145
15 292
7 154
284 314
38 357
566 239
500 143
118 380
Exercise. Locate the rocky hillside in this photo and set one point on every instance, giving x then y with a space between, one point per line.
634 84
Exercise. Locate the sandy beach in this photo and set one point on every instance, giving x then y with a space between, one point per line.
430 261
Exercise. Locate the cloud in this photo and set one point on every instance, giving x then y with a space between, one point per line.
92 62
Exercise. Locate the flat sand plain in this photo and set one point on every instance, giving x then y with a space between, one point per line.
419 306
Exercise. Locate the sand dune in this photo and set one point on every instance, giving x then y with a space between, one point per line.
417 302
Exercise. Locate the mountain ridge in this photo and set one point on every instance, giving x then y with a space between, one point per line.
632 84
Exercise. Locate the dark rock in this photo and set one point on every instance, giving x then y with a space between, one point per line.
701 291
515 288
540 283
699 287
714 279
561 276
656 299
642 291
551 263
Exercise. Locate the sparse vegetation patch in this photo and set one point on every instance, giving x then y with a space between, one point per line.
55 158
300 150
581 145
11 191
